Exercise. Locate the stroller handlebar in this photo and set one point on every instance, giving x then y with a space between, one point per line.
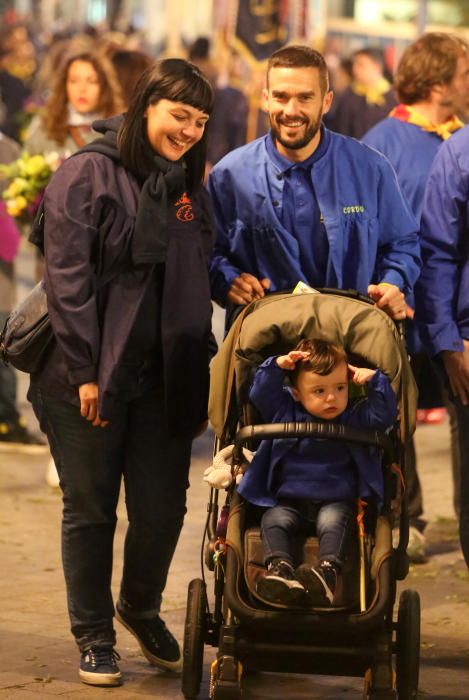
326 431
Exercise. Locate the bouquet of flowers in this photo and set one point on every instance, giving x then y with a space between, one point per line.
27 179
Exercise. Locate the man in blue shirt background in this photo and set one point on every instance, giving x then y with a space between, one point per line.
432 83
442 292
304 203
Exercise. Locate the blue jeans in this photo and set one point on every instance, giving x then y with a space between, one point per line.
91 462
334 521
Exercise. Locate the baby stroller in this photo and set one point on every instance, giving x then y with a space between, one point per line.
359 635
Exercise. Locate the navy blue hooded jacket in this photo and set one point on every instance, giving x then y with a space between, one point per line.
90 209
311 468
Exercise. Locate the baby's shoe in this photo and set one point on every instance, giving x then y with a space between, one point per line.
280 584
320 583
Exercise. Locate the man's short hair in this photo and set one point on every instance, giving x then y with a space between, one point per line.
297 56
323 358
429 61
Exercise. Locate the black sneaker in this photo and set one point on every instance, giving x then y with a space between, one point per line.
15 437
320 583
280 584
156 641
98 666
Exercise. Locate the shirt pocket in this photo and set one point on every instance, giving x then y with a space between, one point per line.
359 250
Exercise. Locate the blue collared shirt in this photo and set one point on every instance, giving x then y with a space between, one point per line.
300 213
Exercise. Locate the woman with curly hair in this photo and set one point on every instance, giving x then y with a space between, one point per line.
86 89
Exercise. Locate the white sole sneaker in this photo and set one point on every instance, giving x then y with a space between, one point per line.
280 590
102 679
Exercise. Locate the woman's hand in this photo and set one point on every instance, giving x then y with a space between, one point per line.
88 394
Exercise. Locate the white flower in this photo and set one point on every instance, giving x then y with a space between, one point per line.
53 160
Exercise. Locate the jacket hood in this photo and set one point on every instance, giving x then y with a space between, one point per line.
107 144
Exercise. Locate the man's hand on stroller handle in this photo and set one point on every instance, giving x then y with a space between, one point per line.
389 298
247 288
219 474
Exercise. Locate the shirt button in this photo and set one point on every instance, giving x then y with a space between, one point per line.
301 203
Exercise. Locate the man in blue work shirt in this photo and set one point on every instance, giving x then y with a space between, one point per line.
304 203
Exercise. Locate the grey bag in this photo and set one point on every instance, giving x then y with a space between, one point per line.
27 332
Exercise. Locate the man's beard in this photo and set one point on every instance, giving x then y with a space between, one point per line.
310 132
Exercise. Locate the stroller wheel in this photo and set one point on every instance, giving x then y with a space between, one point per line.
194 637
408 645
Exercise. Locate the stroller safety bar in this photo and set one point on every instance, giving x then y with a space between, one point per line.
273 431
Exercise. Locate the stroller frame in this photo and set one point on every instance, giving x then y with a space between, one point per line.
332 641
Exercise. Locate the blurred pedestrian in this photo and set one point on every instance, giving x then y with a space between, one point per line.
228 122
341 79
13 93
432 83
14 434
129 66
86 89
369 98
123 390
442 292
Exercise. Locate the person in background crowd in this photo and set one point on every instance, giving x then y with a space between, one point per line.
14 434
129 66
228 122
369 98
85 89
127 239
341 78
304 203
13 94
432 84
442 292
57 51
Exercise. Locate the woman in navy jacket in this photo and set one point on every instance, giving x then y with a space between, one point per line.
127 239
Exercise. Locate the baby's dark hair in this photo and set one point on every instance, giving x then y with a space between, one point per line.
323 357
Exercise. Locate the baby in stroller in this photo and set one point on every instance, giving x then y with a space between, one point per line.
310 481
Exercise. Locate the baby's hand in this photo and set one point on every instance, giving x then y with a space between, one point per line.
289 361
361 375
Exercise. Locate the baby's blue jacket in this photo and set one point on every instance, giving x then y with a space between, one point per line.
313 468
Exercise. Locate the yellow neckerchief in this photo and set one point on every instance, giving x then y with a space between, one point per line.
406 113
23 70
373 94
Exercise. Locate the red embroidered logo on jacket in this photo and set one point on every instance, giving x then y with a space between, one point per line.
185 212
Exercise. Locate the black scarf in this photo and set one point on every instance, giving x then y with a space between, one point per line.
150 239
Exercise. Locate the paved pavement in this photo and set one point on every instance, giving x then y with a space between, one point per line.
38 657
